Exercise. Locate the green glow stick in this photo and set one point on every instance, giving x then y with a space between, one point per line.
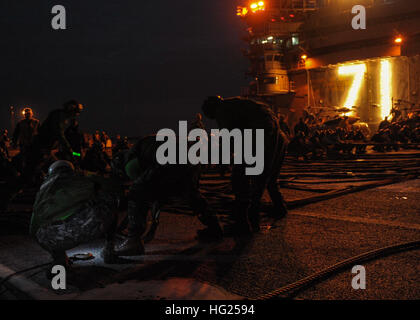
76 154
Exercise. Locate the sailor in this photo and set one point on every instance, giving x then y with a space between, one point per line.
96 159
10 180
52 132
75 137
153 185
283 125
120 144
71 210
25 131
384 124
197 123
301 127
53 128
4 143
241 113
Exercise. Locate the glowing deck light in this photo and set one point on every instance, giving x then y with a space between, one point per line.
386 88
257 6
358 70
398 40
304 57
242 11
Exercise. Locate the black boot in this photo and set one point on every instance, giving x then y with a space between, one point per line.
279 209
108 253
242 226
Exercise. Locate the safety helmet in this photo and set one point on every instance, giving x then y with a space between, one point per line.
73 105
26 111
61 167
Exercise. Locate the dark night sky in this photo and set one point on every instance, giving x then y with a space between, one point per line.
138 66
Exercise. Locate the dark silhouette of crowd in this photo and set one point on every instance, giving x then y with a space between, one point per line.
344 136
34 146
335 138
84 175
398 133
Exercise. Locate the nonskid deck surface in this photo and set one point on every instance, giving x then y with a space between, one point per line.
341 208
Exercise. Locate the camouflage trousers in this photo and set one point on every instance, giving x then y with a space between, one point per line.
94 220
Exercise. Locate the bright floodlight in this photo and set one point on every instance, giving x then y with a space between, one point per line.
358 70
386 88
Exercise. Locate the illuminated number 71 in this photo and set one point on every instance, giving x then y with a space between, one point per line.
359 70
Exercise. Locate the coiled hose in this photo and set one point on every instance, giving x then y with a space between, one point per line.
328 272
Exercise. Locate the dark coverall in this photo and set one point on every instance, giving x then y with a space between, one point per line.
51 131
75 137
301 127
4 150
9 181
248 114
284 127
155 184
24 133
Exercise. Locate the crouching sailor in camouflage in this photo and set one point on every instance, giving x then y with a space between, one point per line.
153 185
70 210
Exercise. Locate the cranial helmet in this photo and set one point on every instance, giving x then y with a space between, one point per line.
73 105
61 167
26 111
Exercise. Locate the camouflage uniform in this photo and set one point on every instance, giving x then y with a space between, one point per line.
91 221
72 210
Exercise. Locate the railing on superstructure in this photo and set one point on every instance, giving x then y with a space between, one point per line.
296 5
